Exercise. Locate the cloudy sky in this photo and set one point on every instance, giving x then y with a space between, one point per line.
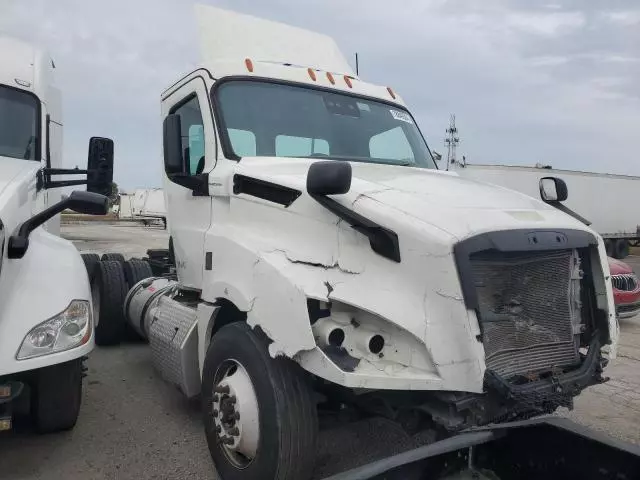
551 82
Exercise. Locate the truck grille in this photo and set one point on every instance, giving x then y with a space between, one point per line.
626 282
528 306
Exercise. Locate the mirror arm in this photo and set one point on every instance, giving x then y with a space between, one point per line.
383 241
563 208
44 177
64 171
19 241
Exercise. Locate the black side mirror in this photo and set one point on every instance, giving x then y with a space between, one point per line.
553 189
88 203
100 166
172 145
331 177
81 202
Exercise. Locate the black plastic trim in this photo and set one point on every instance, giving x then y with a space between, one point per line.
227 149
48 141
521 240
272 192
383 241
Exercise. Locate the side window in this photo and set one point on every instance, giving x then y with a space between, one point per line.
243 142
192 134
391 145
288 146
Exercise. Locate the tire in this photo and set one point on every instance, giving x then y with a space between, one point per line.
56 395
621 249
116 257
90 261
287 416
108 295
136 270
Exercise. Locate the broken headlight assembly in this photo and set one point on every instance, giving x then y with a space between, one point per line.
358 340
68 329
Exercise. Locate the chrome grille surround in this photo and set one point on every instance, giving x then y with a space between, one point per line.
625 282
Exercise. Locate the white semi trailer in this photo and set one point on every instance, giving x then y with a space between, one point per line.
148 204
323 262
46 325
607 201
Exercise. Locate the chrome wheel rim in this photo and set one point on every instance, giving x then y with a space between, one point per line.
235 413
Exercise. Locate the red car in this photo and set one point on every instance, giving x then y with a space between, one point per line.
626 289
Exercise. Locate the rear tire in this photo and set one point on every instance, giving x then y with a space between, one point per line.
90 261
287 425
136 270
56 396
108 297
115 257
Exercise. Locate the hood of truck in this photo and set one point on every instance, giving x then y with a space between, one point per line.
13 168
458 206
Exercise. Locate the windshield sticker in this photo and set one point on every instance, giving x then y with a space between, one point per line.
402 116
364 107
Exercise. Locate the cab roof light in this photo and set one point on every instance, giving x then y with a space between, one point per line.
312 74
393 95
331 79
249 64
347 80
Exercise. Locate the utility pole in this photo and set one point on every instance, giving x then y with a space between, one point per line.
451 141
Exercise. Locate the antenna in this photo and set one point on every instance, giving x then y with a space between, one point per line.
451 141
357 69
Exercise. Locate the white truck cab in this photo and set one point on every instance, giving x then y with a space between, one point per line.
46 328
323 261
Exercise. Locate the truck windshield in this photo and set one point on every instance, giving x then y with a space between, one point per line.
19 112
272 119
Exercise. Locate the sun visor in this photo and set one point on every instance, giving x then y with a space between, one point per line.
229 36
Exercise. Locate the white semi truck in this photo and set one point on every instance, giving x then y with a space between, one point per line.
46 326
606 200
324 263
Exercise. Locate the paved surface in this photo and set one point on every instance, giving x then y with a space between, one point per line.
134 426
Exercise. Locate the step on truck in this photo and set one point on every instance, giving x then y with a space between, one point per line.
46 326
324 265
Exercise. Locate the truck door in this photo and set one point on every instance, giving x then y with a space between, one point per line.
189 214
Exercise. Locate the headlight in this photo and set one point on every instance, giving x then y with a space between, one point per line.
68 329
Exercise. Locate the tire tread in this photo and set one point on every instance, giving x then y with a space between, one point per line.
110 328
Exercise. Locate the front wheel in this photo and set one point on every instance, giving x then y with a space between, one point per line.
260 418
56 396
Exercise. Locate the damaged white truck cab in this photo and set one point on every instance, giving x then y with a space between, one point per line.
46 328
322 252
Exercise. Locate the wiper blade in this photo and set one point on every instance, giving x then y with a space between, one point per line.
27 151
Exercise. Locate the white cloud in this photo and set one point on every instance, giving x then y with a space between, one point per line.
548 61
624 17
546 24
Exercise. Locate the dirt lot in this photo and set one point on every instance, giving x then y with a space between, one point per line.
134 426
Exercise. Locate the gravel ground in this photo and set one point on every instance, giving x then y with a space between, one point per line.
134 426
